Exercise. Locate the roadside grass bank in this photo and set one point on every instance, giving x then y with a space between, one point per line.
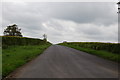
101 53
0 63
15 56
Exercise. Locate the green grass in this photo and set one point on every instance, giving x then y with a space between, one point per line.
100 53
15 56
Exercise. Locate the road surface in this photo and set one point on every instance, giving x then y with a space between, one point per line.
63 62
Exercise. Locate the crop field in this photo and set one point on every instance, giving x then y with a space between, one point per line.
18 51
108 51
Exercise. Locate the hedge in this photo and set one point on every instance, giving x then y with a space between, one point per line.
11 40
110 47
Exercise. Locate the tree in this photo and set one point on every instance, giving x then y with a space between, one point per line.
118 7
45 37
12 30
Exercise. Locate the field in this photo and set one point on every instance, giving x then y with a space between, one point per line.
108 51
18 51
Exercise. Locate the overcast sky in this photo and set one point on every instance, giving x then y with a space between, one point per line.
64 21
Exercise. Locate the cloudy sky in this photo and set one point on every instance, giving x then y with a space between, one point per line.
64 21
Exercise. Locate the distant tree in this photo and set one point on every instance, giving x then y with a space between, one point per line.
118 7
45 37
64 41
12 30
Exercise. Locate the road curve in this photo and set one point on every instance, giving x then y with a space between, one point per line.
63 62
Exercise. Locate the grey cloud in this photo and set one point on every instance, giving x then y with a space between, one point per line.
80 12
64 21
89 29
101 13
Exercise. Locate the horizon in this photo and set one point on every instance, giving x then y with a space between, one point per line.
64 21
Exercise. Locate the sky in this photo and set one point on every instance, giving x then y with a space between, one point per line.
63 21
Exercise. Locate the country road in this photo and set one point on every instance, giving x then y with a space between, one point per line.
63 62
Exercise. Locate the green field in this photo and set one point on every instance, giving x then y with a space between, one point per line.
15 56
17 51
90 48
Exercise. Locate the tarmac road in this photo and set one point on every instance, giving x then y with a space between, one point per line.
63 62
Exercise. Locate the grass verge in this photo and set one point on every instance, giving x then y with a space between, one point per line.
100 53
15 56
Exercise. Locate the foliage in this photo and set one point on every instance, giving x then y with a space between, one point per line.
10 40
110 47
45 37
100 53
17 51
12 30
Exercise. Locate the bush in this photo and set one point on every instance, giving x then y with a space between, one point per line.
110 47
10 41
